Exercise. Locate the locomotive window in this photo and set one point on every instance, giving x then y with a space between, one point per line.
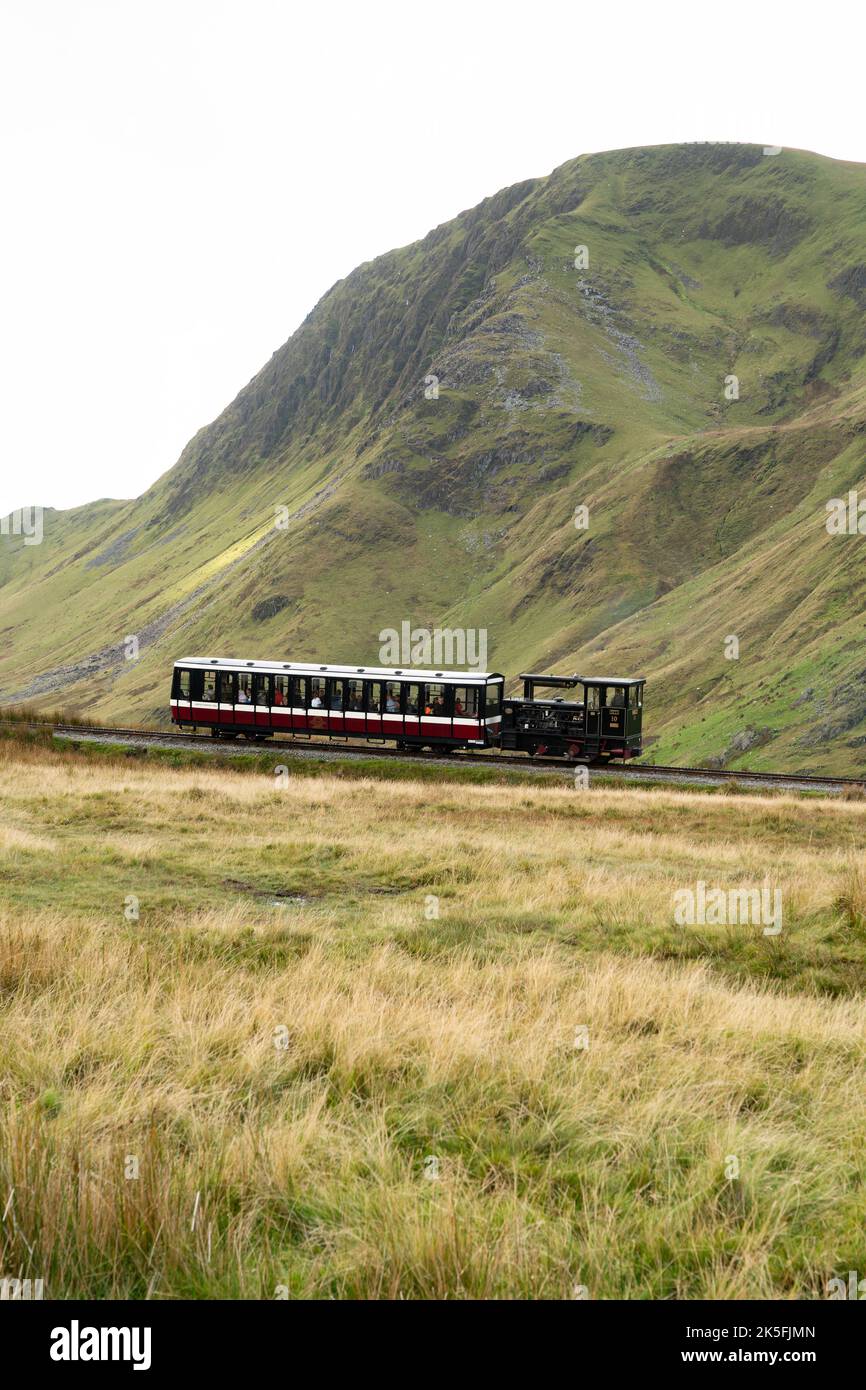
281 690
297 691
466 700
245 688
633 700
227 688
434 699
413 699
182 685
494 700
615 697
374 696
263 690
208 693
354 695
592 700
392 697
317 694
335 700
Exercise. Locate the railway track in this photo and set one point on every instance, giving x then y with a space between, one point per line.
514 761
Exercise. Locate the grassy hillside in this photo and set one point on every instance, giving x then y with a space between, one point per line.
356 1049
601 384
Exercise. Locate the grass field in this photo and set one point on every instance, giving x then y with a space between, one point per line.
340 1036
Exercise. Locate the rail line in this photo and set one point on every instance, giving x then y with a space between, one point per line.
630 771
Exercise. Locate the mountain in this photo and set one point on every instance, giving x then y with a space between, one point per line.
671 337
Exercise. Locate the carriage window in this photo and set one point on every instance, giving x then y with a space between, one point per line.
374 696
392 697
354 695
183 685
434 699
494 700
413 699
633 700
208 692
336 694
615 697
245 688
466 700
262 690
297 691
281 690
227 688
317 693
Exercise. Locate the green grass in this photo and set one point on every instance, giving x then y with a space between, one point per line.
301 918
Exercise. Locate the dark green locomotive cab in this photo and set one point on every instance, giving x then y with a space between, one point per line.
601 722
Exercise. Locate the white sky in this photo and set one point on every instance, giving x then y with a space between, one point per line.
182 180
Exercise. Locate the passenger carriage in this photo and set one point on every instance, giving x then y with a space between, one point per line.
604 721
257 699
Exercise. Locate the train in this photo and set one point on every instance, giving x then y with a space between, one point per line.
598 718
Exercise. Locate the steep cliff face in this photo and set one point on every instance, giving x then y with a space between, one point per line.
672 338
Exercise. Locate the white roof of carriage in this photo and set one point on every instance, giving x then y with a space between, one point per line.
301 668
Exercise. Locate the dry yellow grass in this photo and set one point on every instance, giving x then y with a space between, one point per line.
367 1039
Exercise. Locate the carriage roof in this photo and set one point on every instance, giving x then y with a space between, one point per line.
300 668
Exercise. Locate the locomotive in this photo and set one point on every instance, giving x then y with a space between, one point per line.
414 709
602 722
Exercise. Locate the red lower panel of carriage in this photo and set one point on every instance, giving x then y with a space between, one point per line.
353 724
470 729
